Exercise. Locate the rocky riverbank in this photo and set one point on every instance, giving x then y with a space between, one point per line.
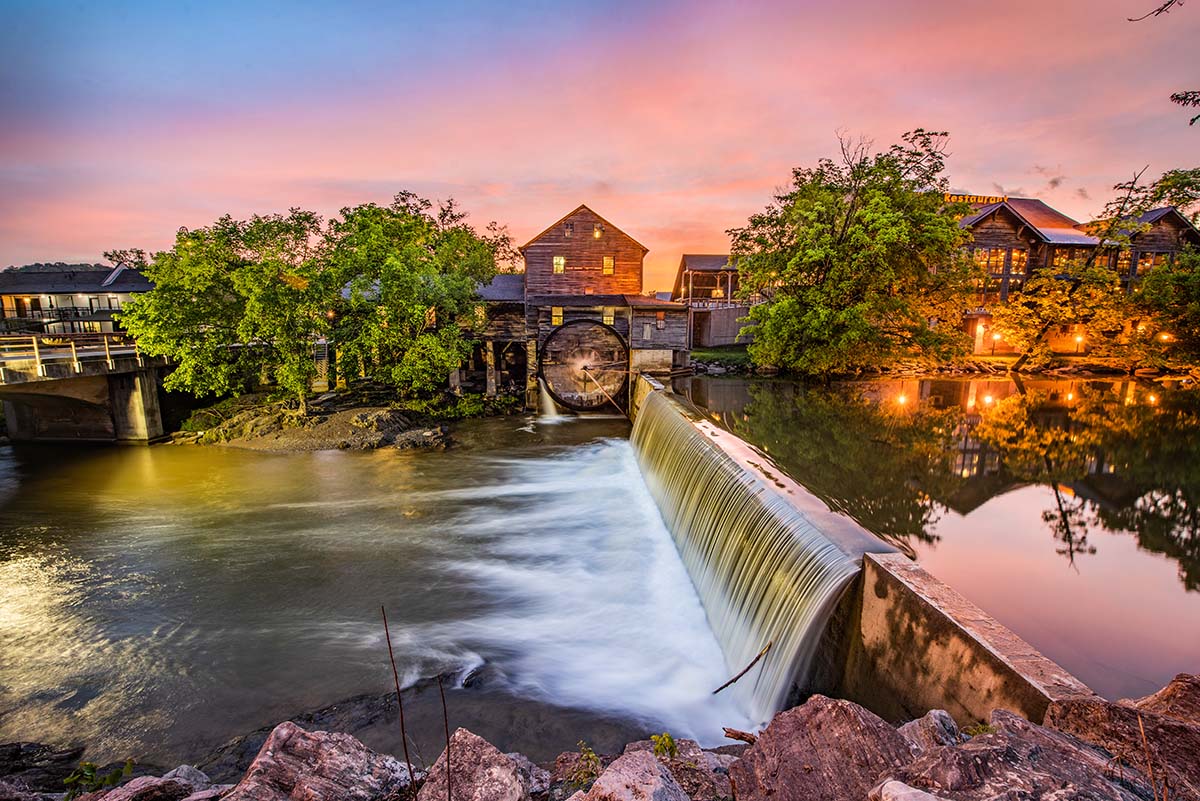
824 750
363 417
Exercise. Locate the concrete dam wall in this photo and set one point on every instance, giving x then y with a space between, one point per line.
844 613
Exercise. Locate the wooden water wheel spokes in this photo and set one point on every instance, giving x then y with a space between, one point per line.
585 365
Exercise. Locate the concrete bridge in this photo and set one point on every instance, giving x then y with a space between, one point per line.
79 387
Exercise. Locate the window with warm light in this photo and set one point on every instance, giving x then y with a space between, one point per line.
609 265
1124 261
569 230
660 320
597 231
1019 263
556 315
610 314
560 264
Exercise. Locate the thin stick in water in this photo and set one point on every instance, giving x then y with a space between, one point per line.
446 723
399 700
746 669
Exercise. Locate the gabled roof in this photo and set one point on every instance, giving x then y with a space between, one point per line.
1048 224
504 288
576 210
701 263
1154 215
707 263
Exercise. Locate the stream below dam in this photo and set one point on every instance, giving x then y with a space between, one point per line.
155 602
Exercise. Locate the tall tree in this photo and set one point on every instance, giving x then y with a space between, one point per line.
859 262
410 313
235 300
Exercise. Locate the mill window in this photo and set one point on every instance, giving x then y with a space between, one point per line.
597 231
646 331
610 314
609 263
560 264
660 320
556 315
568 229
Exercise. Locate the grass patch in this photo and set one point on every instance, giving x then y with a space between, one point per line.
725 354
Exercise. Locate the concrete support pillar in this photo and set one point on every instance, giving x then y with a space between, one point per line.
489 356
20 422
133 398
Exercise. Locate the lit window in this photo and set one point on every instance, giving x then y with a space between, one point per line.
981 258
609 315
1020 261
556 315
660 320
568 229
587 290
1148 261
1124 262
609 263
995 261
597 230
646 329
560 264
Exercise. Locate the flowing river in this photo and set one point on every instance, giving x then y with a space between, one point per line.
156 601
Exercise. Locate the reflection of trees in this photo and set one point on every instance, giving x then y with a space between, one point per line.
883 469
1113 464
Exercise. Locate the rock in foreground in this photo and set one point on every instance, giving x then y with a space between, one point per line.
477 772
298 764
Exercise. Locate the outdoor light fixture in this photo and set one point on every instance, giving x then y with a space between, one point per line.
1153 399
1165 337
995 339
902 399
988 398
1070 396
1078 342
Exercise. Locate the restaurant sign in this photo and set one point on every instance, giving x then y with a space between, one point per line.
952 198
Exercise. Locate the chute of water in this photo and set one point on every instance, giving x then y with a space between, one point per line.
763 570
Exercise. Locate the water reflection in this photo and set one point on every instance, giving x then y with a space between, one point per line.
1068 509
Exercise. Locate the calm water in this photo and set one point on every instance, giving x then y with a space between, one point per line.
156 601
1069 510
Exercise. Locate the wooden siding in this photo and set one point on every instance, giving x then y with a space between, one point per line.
1167 234
585 259
673 335
505 322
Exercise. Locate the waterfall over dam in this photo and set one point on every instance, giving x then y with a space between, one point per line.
768 560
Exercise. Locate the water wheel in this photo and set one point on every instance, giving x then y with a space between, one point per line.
585 365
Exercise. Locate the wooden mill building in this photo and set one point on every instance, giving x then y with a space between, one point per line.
577 317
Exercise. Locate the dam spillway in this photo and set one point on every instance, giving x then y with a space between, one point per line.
767 560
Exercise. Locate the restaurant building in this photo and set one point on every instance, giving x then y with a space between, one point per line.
1014 238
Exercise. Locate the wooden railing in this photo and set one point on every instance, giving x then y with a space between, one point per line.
44 349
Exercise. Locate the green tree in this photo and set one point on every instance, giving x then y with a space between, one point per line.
859 262
409 312
235 300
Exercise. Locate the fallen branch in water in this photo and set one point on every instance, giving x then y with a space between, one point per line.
744 736
399 701
746 669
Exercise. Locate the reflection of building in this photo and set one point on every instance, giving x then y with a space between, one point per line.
1013 238
581 268
709 285
66 298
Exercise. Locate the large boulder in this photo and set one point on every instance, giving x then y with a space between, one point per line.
825 749
313 766
704 776
478 772
636 776
1180 699
1018 760
1171 744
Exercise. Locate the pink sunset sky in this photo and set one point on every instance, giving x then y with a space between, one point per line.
124 121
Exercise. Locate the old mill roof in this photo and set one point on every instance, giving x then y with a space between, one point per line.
706 263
